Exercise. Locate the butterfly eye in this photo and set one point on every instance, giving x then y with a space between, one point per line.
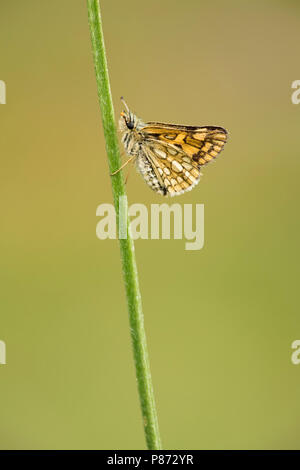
129 124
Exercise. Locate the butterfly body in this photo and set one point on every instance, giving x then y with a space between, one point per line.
170 156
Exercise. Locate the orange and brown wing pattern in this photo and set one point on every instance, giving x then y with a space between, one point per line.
178 152
202 144
175 171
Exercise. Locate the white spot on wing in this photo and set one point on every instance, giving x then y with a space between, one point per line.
187 166
176 166
172 151
160 153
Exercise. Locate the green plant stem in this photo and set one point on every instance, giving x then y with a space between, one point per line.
130 274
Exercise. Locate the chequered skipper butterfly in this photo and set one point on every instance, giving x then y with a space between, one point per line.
169 157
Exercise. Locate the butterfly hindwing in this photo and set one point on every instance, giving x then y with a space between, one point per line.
174 169
178 152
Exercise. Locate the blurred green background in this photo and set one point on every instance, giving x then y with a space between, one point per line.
220 321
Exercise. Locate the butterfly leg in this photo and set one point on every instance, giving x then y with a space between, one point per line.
124 164
126 179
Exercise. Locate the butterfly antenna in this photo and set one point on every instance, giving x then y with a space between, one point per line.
124 102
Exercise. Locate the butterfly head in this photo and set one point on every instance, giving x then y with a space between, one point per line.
128 120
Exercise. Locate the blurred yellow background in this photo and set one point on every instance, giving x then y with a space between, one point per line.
220 321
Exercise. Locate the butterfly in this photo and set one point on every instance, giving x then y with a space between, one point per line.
169 156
